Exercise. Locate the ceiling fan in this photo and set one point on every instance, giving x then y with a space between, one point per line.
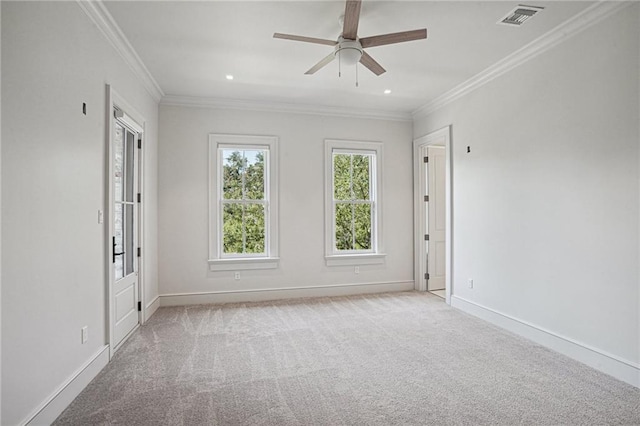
349 48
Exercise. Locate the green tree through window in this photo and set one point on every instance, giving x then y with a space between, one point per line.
243 201
353 204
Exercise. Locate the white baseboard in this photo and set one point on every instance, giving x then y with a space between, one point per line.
51 408
151 308
621 369
259 295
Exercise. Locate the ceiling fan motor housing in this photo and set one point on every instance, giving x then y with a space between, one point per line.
349 51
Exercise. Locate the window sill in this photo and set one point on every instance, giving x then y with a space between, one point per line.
241 264
355 259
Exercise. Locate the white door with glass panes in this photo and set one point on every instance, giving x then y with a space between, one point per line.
125 226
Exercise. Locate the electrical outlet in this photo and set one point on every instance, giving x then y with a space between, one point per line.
236 276
85 334
356 269
470 283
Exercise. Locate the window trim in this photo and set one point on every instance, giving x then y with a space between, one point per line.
376 255
219 261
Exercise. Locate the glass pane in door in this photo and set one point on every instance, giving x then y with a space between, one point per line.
129 249
124 204
118 163
130 147
118 225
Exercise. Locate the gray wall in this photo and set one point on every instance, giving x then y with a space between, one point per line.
546 205
183 200
53 184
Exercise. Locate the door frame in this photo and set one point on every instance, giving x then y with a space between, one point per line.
114 100
440 137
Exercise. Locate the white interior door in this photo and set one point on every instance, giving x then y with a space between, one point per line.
125 226
436 257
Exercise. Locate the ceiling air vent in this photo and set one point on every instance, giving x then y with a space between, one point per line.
519 15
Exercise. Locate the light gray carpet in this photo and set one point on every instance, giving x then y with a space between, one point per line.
391 359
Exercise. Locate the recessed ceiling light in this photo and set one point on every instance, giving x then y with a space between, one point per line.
229 77
387 91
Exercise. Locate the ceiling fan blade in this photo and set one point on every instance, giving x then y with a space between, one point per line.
371 63
381 40
351 18
305 39
330 57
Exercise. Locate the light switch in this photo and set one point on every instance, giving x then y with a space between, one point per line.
100 216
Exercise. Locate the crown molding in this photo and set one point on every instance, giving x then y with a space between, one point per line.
98 13
588 17
215 103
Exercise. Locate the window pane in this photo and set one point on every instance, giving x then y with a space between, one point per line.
128 178
342 176
128 248
118 227
232 169
254 228
254 175
232 228
361 177
344 223
118 163
242 184
362 227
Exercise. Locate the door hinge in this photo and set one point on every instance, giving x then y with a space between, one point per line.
139 197
139 250
426 237
139 306
426 159
140 143
426 276
426 198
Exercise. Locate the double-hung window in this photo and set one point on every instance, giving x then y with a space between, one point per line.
244 206
352 199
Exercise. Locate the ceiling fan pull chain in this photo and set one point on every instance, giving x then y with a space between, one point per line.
339 64
356 74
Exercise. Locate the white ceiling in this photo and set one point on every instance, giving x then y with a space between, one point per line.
189 47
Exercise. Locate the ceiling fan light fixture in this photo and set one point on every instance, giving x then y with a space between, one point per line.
349 52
